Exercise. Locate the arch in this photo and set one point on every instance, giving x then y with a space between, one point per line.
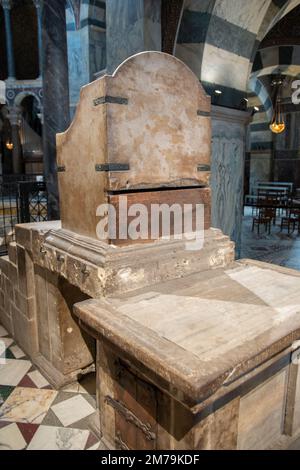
257 88
70 16
219 40
23 94
277 59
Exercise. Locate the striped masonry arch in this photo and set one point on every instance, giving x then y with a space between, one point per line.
219 39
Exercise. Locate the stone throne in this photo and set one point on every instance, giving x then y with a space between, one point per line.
145 133
143 130
187 342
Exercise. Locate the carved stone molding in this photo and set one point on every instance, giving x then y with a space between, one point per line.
14 115
38 4
7 4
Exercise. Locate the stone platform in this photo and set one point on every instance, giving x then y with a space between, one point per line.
205 362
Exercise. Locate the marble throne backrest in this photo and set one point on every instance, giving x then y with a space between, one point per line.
147 126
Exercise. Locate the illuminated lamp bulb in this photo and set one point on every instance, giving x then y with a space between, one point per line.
9 145
277 125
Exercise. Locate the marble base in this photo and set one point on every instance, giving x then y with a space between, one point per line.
227 171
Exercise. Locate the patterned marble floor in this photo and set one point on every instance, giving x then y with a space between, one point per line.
277 248
35 416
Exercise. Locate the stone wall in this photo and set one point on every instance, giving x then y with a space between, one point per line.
36 308
17 302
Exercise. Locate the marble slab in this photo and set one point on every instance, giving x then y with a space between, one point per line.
27 405
11 438
72 410
207 330
12 371
55 438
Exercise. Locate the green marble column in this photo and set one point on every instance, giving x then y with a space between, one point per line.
7 5
56 92
39 8
132 26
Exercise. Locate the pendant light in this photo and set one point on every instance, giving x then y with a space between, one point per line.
277 125
9 145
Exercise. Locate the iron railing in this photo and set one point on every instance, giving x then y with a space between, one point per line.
23 199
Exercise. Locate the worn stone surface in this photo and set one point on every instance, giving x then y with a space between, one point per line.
99 269
219 374
272 325
265 406
61 341
17 307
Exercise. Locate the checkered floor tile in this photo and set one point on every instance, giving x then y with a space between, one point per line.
33 415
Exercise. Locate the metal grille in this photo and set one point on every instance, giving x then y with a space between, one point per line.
32 202
23 199
9 214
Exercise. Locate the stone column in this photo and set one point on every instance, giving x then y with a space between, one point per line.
7 4
39 7
56 92
14 117
227 170
131 27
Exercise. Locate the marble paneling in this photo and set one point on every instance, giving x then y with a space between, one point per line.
247 15
132 27
190 55
55 93
223 67
227 177
78 61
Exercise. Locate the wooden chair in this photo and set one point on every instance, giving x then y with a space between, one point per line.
291 221
264 218
271 211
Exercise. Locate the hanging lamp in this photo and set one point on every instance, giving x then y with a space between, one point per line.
277 125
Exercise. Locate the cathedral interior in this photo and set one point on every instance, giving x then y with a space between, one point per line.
117 340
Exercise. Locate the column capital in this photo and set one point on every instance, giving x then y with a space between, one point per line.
38 3
6 4
14 115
